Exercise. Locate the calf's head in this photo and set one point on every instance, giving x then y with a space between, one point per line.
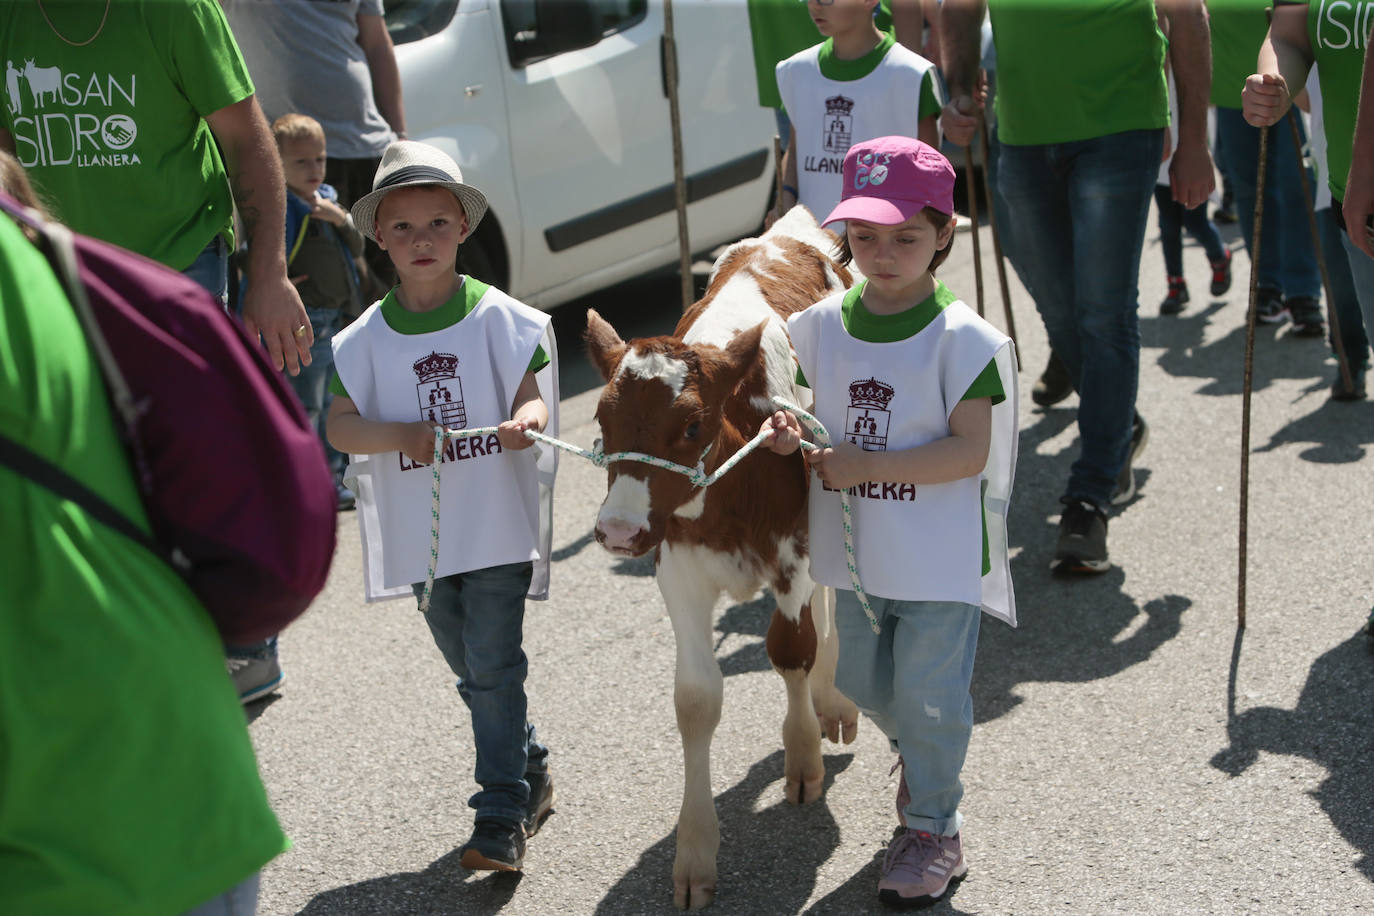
663 398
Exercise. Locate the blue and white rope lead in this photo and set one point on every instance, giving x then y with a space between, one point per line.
697 475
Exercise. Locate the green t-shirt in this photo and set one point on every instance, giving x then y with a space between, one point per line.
781 28
1238 28
113 133
1334 30
1077 70
864 325
128 783
458 307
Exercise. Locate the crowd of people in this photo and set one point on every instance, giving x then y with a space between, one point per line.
257 147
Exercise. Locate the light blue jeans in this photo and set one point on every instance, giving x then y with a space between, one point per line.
477 621
912 679
1077 214
1345 299
1287 259
239 900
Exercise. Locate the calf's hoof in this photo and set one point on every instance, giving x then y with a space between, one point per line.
693 895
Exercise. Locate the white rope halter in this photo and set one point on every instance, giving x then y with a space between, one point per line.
696 475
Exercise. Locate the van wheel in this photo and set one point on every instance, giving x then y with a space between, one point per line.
474 261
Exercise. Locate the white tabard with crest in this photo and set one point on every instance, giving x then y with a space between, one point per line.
494 504
912 543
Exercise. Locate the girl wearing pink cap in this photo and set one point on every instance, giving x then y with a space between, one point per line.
919 396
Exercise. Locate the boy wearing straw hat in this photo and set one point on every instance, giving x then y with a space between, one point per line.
443 349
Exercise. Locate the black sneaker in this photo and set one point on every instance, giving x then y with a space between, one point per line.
494 846
1307 316
1177 298
1221 274
1082 545
1356 391
1125 480
1269 307
540 805
1054 384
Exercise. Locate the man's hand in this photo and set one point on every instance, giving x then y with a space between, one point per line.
959 120
272 308
1264 99
1191 175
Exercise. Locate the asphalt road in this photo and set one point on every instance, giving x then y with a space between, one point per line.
1133 753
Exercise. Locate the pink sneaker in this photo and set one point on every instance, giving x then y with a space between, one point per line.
919 868
903 791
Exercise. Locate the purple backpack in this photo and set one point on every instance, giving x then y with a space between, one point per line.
233 475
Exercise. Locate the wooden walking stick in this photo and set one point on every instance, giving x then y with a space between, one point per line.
679 174
973 215
1341 361
1249 373
996 238
777 173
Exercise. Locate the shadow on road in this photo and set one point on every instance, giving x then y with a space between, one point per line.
1333 725
771 855
444 888
1338 431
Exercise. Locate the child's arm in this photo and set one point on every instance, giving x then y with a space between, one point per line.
528 411
928 130
963 453
348 431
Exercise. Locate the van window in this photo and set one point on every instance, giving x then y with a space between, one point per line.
411 20
564 26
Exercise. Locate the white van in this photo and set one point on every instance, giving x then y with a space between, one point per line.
557 110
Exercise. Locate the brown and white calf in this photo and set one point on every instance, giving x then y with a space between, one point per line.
705 391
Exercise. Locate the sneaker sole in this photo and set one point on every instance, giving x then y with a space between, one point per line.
1308 330
1124 496
1061 566
897 901
473 860
1273 318
257 693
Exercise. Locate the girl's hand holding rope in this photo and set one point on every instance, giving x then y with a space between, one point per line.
416 441
512 433
786 432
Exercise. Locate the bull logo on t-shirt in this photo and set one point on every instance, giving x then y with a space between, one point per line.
867 420
440 391
71 118
839 124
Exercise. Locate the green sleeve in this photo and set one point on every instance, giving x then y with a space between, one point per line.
336 385
930 96
801 378
204 57
988 384
539 360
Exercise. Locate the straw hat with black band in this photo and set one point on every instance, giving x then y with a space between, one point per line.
408 164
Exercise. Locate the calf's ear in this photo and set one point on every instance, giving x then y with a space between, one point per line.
724 373
604 345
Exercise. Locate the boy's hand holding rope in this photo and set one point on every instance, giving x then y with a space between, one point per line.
697 475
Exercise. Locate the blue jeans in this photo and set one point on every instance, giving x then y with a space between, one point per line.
912 679
1362 272
239 900
1078 213
211 269
1287 259
1345 299
477 620
1173 219
312 384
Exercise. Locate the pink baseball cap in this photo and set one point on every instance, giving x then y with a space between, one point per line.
889 180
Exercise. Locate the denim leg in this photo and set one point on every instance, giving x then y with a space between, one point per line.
1362 272
312 383
267 648
477 621
1344 299
239 900
913 680
1201 227
1170 230
211 269
1287 260
1079 211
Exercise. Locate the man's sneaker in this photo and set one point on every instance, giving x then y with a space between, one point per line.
1307 316
1177 298
255 676
1226 213
540 805
919 867
1221 274
1082 545
1054 384
903 790
494 846
1356 391
1125 480
1269 306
